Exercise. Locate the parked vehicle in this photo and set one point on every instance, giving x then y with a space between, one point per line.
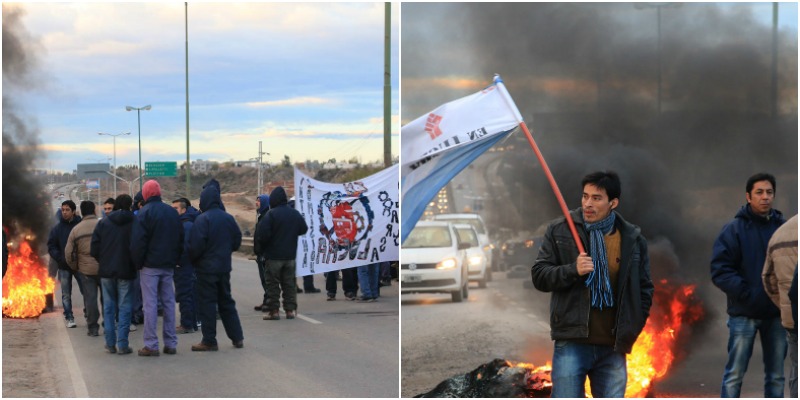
477 267
434 261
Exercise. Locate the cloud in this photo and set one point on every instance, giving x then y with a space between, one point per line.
295 101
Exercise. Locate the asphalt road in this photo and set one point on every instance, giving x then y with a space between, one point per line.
509 320
334 349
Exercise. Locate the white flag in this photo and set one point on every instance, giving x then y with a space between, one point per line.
349 224
438 145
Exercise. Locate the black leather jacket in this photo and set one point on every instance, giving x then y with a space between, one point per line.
555 272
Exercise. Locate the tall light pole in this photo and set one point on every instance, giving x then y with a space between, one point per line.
260 161
139 120
114 136
658 7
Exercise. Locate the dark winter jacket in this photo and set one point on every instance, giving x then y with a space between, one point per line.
738 260
57 241
262 211
187 220
555 271
793 298
277 232
214 236
213 182
111 243
157 236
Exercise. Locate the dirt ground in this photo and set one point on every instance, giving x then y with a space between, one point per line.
27 369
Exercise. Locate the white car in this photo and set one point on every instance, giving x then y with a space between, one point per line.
433 260
477 222
478 268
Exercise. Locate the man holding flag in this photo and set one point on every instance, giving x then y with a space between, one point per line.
601 300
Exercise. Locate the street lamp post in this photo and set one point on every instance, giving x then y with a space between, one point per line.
139 121
658 7
114 136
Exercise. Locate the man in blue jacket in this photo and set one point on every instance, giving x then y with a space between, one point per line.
212 239
156 248
184 275
56 243
111 242
277 237
736 265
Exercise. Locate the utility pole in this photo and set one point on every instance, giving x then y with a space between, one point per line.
774 86
188 163
387 87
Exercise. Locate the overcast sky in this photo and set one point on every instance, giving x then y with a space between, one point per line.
307 79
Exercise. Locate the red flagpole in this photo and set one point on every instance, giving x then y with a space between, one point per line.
554 185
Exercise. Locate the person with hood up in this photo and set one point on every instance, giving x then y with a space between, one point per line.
184 275
262 206
156 248
737 262
138 314
212 239
277 238
56 243
110 246
79 258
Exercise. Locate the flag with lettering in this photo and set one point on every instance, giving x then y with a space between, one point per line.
349 224
438 145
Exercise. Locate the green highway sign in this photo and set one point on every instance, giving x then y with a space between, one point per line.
161 168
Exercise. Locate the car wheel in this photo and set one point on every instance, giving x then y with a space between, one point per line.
482 282
488 274
466 290
458 296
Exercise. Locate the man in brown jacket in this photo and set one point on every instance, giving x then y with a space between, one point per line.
79 258
777 275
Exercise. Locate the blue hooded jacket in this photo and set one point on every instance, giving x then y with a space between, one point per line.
214 235
214 183
738 260
187 219
157 238
277 232
57 240
111 242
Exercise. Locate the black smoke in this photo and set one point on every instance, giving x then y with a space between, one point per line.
26 208
584 77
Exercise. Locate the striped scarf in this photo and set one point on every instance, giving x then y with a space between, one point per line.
598 282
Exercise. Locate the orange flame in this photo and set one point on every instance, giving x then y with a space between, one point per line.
26 283
674 309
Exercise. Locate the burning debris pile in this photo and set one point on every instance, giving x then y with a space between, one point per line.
26 283
26 211
675 308
498 378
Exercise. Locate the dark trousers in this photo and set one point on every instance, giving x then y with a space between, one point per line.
185 295
308 283
262 275
91 288
281 279
349 281
214 293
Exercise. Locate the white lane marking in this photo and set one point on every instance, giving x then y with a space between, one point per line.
532 316
78 384
307 319
544 325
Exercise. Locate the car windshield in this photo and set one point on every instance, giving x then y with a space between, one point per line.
428 236
468 236
476 223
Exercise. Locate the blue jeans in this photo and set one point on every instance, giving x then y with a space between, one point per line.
117 301
65 277
157 286
214 293
368 279
573 362
740 347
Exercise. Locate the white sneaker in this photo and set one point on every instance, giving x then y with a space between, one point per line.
133 328
71 323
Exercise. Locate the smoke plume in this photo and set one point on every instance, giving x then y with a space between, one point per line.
585 78
25 204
